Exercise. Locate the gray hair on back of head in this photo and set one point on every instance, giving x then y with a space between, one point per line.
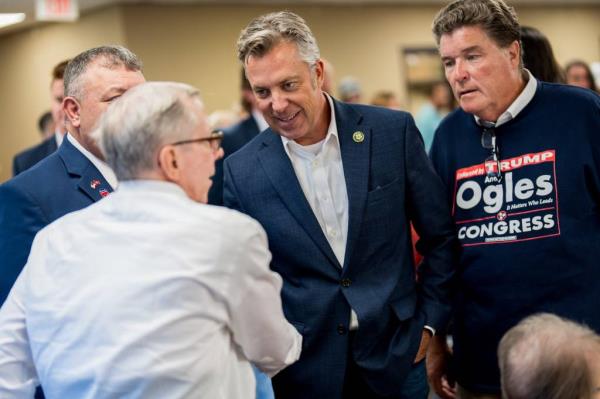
498 20
111 56
544 357
134 127
265 32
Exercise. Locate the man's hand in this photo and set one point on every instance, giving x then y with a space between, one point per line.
437 368
425 339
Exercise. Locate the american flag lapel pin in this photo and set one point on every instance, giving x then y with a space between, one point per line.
94 183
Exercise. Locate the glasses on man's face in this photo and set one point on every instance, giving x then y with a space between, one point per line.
214 140
492 163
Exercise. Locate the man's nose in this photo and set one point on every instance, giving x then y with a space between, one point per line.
460 73
279 102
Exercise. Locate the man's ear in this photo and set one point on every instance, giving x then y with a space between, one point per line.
514 51
319 73
72 109
167 161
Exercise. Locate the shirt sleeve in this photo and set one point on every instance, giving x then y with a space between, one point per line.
18 378
257 321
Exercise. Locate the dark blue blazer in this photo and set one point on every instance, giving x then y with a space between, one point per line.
390 182
64 182
234 138
29 157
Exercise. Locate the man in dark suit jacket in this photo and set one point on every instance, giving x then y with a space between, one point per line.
74 176
336 186
29 157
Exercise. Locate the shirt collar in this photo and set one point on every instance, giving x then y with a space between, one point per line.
58 138
102 166
331 130
520 102
260 120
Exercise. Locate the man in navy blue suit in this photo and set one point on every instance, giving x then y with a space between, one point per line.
336 187
75 176
29 157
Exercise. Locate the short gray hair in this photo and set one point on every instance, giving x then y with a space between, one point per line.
544 357
267 31
111 56
495 17
134 128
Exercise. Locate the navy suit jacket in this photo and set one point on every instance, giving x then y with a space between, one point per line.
234 138
64 182
390 182
29 157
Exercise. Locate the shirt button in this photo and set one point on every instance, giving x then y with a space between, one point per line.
346 282
315 163
341 329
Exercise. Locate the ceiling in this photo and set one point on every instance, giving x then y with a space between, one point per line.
28 6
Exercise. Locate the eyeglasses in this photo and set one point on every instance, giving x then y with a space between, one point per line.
214 140
492 163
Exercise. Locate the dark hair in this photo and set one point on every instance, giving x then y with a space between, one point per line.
498 20
588 71
44 120
538 56
59 70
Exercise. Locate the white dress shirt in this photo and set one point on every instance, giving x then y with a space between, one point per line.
320 171
145 294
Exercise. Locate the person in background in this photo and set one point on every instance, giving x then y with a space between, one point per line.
335 186
548 357
349 90
538 56
520 161
222 118
579 74
236 136
433 111
387 99
46 125
102 310
31 156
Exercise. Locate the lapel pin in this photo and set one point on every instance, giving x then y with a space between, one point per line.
103 193
94 183
358 136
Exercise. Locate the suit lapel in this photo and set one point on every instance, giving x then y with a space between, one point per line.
356 161
90 182
279 170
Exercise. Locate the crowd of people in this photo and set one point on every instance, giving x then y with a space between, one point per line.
147 255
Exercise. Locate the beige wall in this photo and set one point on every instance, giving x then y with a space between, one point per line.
196 44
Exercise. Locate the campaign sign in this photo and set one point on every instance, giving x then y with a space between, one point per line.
519 205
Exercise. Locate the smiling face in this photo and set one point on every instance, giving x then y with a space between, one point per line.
288 93
484 77
100 86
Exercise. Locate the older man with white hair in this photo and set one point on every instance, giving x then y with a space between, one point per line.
149 293
548 357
